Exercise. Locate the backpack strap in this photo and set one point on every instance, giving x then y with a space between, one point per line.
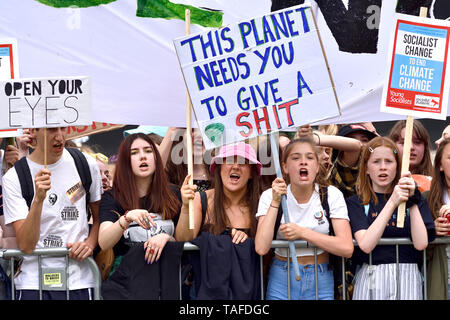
323 194
25 179
83 170
277 222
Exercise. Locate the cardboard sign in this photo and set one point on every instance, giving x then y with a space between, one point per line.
259 76
74 132
417 83
45 102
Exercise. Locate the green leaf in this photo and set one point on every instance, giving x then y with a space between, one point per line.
168 10
74 3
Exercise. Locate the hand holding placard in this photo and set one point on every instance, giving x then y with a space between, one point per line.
417 82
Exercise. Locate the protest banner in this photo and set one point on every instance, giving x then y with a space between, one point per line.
75 132
355 35
417 79
45 102
258 76
9 69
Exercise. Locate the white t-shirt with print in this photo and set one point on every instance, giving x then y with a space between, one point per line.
62 221
310 215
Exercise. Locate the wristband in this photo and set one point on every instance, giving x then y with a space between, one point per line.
318 137
274 206
123 228
414 199
126 219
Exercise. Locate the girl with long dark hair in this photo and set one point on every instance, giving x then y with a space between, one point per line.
141 205
224 225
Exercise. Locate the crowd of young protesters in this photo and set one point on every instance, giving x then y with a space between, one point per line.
342 185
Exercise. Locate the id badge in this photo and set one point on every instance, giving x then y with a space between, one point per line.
76 192
53 279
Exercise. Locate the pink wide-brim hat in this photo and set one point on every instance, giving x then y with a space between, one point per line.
240 149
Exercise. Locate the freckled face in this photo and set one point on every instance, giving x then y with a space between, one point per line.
382 168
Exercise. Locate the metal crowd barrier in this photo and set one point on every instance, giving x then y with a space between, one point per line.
303 244
12 254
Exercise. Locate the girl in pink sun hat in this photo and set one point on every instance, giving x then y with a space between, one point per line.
236 174
225 224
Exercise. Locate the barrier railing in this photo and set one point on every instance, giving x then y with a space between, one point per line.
303 244
12 254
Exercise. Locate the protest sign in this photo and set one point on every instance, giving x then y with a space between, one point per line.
417 81
75 132
9 68
45 102
9 63
258 76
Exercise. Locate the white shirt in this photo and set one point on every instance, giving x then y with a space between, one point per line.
310 215
62 221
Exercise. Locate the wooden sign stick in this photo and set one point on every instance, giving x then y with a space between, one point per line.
187 16
407 150
45 148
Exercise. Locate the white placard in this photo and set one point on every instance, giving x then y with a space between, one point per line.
417 78
258 76
45 102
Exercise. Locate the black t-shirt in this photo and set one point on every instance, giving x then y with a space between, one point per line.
383 254
111 210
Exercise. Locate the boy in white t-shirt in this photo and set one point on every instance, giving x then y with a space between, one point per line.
57 217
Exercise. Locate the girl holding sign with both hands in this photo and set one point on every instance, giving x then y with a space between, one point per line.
372 211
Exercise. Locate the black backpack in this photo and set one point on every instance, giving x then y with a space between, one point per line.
334 261
26 180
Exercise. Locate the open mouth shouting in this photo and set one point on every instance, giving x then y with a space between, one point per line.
383 177
235 177
58 147
304 174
